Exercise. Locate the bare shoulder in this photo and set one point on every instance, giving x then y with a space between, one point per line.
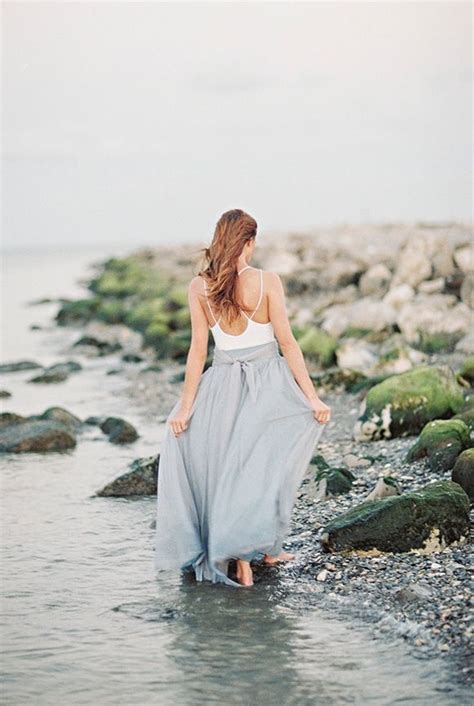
272 281
196 284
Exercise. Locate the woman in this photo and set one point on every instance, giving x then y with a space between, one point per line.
241 436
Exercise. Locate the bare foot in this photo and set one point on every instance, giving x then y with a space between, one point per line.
283 556
244 573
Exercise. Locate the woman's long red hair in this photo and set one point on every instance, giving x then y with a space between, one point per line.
233 229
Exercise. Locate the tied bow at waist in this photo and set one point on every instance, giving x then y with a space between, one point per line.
244 365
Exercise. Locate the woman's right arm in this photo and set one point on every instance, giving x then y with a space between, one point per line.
289 345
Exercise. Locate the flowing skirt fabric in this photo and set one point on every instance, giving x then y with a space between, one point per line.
228 483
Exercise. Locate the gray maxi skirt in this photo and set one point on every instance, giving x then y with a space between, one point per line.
228 483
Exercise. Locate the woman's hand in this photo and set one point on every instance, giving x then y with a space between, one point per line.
179 422
322 412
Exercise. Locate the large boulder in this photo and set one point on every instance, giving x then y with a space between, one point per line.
441 441
366 314
434 315
40 435
141 479
402 404
424 520
463 472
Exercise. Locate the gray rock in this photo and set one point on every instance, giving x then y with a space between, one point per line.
385 487
36 436
59 414
50 377
4 394
8 419
19 365
118 430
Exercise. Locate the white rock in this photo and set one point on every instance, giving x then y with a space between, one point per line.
376 280
433 314
432 286
464 257
466 344
399 295
467 290
355 354
322 576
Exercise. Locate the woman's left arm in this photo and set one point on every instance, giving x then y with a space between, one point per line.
196 356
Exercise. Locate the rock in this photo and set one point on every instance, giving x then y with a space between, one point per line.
4 394
335 378
29 436
353 461
354 354
399 359
340 272
467 290
412 593
140 480
385 487
466 344
375 281
467 370
425 520
320 462
364 314
322 575
95 420
441 441
8 419
102 347
77 312
463 472
132 358
398 296
433 314
318 346
432 286
413 263
50 377
59 414
464 258
118 430
466 415
402 404
69 366
19 365
114 336
333 481
282 261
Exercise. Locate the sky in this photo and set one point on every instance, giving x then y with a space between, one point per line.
141 122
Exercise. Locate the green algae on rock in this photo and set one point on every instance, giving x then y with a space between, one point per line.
441 441
318 345
424 520
467 370
463 472
333 481
402 404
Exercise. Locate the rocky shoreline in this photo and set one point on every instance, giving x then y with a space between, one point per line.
386 332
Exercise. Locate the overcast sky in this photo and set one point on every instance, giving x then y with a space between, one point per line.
141 122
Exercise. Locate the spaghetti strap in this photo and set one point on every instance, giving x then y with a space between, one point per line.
207 299
259 299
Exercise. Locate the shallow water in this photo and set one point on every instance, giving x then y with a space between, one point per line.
85 618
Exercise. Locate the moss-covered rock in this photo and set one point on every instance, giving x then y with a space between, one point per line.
424 520
467 370
79 311
402 404
441 441
141 479
333 481
463 472
318 345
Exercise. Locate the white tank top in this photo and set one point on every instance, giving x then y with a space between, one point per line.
255 333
